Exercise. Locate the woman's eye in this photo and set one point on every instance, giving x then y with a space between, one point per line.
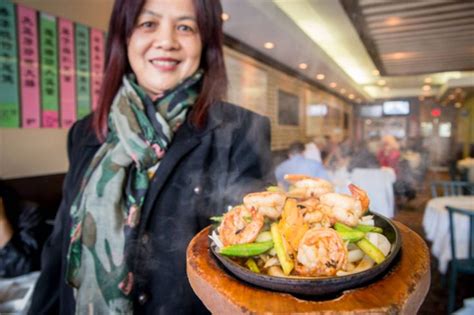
185 28
147 24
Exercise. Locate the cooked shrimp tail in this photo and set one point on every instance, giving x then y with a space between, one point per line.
360 195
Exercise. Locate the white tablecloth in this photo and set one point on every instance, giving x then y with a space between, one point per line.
436 226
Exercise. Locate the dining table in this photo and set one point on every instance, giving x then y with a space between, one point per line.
436 227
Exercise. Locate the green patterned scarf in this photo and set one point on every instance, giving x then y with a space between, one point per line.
108 205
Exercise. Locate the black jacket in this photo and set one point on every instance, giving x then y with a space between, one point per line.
21 254
203 172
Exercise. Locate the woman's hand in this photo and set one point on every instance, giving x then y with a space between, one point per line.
6 230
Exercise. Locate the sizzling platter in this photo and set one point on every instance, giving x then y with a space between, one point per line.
309 240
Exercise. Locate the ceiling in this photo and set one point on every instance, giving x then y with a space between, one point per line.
372 49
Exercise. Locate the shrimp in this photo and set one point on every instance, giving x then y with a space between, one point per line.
269 204
321 252
341 207
313 214
240 225
362 196
306 187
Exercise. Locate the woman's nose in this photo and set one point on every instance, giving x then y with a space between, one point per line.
166 38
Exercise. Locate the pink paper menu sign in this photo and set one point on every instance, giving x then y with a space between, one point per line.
67 77
29 72
97 64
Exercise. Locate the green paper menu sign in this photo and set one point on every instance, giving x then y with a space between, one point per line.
49 71
9 96
82 71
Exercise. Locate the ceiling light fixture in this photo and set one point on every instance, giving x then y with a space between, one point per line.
343 91
351 96
303 66
457 104
225 17
428 80
269 45
381 82
393 21
333 84
426 87
320 76
375 72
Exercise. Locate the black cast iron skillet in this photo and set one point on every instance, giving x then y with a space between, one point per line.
322 285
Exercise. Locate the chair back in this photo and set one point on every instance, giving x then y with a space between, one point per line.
451 188
452 232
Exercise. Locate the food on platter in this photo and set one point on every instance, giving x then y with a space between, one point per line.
307 231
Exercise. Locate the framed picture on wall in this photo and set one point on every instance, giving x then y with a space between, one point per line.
288 109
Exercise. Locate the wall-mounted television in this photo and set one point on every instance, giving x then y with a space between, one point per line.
370 111
396 108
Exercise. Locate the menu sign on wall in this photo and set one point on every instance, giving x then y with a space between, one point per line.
66 73
9 98
49 71
51 68
97 64
29 73
82 71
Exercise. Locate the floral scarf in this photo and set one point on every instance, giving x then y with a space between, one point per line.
108 205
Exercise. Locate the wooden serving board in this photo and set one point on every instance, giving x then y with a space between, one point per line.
401 291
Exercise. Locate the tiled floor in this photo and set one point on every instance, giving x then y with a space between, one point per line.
411 214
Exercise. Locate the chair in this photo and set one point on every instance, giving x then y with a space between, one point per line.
458 265
451 188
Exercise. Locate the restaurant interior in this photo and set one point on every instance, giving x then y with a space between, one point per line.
339 73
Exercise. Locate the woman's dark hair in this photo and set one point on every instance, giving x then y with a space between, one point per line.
122 23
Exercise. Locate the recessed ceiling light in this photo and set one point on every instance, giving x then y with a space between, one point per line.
351 96
269 45
320 76
426 87
428 80
343 91
393 21
333 84
225 17
381 82
375 72
303 66
451 97
457 104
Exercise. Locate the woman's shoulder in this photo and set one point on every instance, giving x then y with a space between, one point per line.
82 132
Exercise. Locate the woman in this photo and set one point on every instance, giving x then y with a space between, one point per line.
389 154
160 155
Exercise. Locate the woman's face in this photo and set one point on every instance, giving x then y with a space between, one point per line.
165 46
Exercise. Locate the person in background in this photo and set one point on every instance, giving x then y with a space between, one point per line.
22 235
389 153
312 150
159 156
298 164
362 158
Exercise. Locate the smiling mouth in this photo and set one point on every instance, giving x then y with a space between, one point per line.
165 63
